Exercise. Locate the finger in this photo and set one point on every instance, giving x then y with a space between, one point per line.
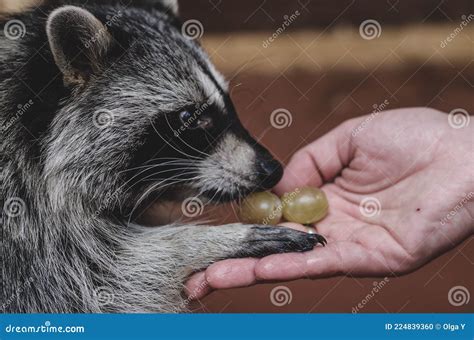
298 265
337 258
197 287
232 273
319 161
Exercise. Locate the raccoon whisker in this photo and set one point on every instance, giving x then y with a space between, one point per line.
176 169
181 162
177 160
169 167
164 183
239 194
151 178
148 168
178 181
124 185
215 194
172 146
146 178
170 170
233 207
172 178
181 180
236 189
172 159
221 194
136 168
144 196
193 148
151 189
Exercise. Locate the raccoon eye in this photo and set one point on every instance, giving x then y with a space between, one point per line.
185 116
193 121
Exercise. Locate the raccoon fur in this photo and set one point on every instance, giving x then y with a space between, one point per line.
104 108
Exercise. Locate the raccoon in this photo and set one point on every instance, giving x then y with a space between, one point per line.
104 108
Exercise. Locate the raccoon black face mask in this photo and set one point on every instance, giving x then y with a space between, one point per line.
118 107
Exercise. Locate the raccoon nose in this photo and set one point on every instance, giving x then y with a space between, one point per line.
271 172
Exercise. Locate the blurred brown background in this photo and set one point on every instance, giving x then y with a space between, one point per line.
324 71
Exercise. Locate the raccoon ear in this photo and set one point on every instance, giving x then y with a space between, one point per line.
79 43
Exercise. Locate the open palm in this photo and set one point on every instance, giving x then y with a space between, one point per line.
400 191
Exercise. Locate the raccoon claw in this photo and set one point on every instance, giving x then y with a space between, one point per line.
319 239
264 240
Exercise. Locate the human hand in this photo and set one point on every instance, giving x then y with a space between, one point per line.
400 191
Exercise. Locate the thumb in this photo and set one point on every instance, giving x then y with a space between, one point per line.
320 161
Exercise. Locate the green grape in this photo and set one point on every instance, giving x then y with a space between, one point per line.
306 205
261 208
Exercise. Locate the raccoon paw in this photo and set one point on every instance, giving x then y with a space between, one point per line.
265 240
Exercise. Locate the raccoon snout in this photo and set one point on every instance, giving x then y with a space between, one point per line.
270 172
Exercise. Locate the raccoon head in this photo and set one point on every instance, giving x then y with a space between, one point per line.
148 115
